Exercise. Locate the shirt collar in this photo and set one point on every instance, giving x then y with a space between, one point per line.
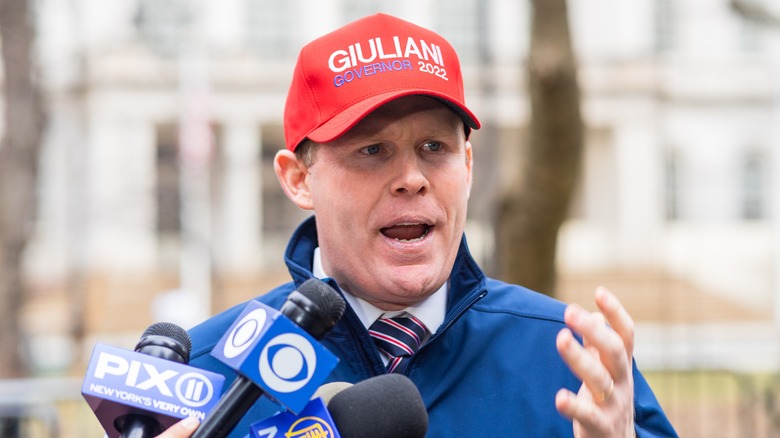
430 310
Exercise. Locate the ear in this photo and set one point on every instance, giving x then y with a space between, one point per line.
470 167
292 175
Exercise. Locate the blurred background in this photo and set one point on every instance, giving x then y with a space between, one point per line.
136 178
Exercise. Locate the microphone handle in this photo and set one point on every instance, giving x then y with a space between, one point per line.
235 402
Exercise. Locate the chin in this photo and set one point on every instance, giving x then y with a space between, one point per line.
416 283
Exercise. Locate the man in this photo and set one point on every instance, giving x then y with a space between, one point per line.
377 147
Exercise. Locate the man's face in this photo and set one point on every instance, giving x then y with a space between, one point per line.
390 199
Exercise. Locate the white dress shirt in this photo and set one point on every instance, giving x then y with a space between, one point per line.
430 311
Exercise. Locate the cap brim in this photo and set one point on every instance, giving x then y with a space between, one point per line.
345 120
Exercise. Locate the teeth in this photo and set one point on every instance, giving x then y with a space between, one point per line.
414 240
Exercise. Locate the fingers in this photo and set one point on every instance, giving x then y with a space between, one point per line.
585 413
604 403
599 318
182 429
618 318
585 364
608 347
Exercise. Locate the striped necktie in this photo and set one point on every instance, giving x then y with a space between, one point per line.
399 338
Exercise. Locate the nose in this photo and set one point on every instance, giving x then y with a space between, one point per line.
411 179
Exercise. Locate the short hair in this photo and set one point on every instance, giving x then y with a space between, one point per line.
306 152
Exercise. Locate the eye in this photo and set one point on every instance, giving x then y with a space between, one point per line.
433 146
372 150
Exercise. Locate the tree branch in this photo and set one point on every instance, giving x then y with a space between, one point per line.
755 12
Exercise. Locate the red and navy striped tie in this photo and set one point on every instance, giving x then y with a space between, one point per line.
398 337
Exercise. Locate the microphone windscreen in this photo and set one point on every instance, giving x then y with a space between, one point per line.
385 406
329 302
327 391
166 341
315 306
170 330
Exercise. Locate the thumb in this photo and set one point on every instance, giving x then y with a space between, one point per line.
182 429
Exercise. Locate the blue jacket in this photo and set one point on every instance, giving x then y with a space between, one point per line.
491 369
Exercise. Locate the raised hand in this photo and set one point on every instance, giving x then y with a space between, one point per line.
604 405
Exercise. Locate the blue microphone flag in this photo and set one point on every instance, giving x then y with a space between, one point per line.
314 421
276 354
121 382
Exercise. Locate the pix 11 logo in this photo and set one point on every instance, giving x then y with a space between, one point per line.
275 353
190 388
121 382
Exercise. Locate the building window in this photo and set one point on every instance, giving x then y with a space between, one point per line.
168 190
749 36
753 186
162 23
672 187
217 165
459 22
269 28
665 20
168 193
280 215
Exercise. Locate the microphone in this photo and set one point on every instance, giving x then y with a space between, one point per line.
327 391
141 393
166 341
385 406
276 353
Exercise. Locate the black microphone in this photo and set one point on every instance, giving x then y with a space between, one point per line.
167 341
315 307
385 406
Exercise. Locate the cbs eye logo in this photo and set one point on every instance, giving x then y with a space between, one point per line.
287 362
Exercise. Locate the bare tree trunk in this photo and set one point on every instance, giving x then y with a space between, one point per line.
529 216
24 122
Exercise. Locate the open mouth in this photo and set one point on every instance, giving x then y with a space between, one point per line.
407 232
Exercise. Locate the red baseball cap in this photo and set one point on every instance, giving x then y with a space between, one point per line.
343 76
